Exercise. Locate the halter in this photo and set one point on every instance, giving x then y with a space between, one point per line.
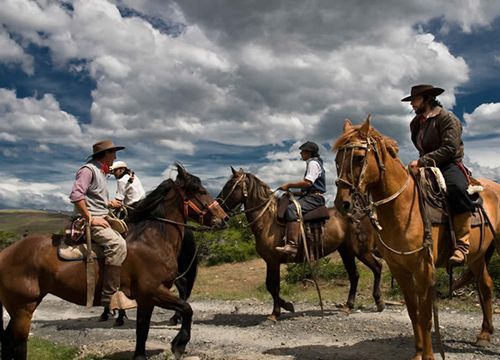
360 196
189 204
244 191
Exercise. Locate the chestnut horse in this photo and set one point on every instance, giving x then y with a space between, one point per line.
261 207
367 163
31 269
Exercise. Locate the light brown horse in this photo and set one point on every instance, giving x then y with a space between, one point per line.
367 163
31 269
260 208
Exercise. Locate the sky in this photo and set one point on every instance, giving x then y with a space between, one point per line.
223 83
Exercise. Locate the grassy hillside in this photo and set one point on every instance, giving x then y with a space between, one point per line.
16 223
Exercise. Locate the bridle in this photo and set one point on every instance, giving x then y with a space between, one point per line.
357 187
241 180
189 204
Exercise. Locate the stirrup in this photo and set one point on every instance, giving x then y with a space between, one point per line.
287 249
458 258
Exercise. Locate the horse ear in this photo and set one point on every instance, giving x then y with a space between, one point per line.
365 129
182 173
234 171
347 125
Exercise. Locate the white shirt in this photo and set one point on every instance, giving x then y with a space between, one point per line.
313 171
129 193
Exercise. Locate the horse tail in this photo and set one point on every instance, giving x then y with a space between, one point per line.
188 265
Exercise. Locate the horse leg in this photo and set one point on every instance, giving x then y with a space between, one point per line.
484 286
376 267
120 319
407 285
352 271
166 300
181 285
7 349
142 329
273 286
17 333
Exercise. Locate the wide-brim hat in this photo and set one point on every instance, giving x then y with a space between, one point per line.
105 145
420 90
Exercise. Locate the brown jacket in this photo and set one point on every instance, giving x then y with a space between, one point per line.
442 139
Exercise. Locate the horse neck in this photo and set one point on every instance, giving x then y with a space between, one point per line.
253 201
393 179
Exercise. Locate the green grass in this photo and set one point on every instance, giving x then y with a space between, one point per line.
41 349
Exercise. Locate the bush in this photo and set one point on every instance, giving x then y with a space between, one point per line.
7 238
234 244
323 268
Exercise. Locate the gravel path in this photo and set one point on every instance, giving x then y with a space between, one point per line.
238 330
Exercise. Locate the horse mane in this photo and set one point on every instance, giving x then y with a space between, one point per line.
152 204
258 187
390 144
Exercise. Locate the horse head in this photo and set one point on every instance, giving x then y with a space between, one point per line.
235 191
198 204
361 158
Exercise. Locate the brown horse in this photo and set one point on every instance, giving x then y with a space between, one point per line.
367 163
31 269
260 208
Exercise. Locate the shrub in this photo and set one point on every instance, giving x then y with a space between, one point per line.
234 244
7 238
324 269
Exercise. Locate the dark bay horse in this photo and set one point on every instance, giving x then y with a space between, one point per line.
188 268
261 207
31 269
368 163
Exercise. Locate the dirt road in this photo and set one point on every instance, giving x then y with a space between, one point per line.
237 330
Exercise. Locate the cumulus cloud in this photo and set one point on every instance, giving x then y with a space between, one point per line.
38 120
12 53
17 193
239 73
484 120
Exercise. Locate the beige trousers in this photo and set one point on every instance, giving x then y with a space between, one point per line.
114 245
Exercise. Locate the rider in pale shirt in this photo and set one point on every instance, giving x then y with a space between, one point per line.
129 188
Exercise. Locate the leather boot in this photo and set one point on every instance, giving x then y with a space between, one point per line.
292 239
110 283
461 226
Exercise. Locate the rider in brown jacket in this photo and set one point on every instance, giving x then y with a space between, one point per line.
437 134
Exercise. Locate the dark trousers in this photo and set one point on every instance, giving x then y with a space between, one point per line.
307 203
456 184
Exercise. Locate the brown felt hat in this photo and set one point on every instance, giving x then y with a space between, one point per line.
420 90
104 145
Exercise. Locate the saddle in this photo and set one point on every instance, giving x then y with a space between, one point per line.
73 245
433 191
314 223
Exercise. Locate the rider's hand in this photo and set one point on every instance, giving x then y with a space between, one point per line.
99 221
284 187
413 165
115 204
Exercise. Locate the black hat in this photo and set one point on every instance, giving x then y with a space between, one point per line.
309 146
420 90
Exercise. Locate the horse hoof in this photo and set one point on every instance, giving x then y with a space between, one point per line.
271 320
288 306
119 322
173 321
380 306
349 305
481 342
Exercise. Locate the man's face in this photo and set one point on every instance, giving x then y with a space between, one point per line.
118 172
109 157
305 155
418 105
